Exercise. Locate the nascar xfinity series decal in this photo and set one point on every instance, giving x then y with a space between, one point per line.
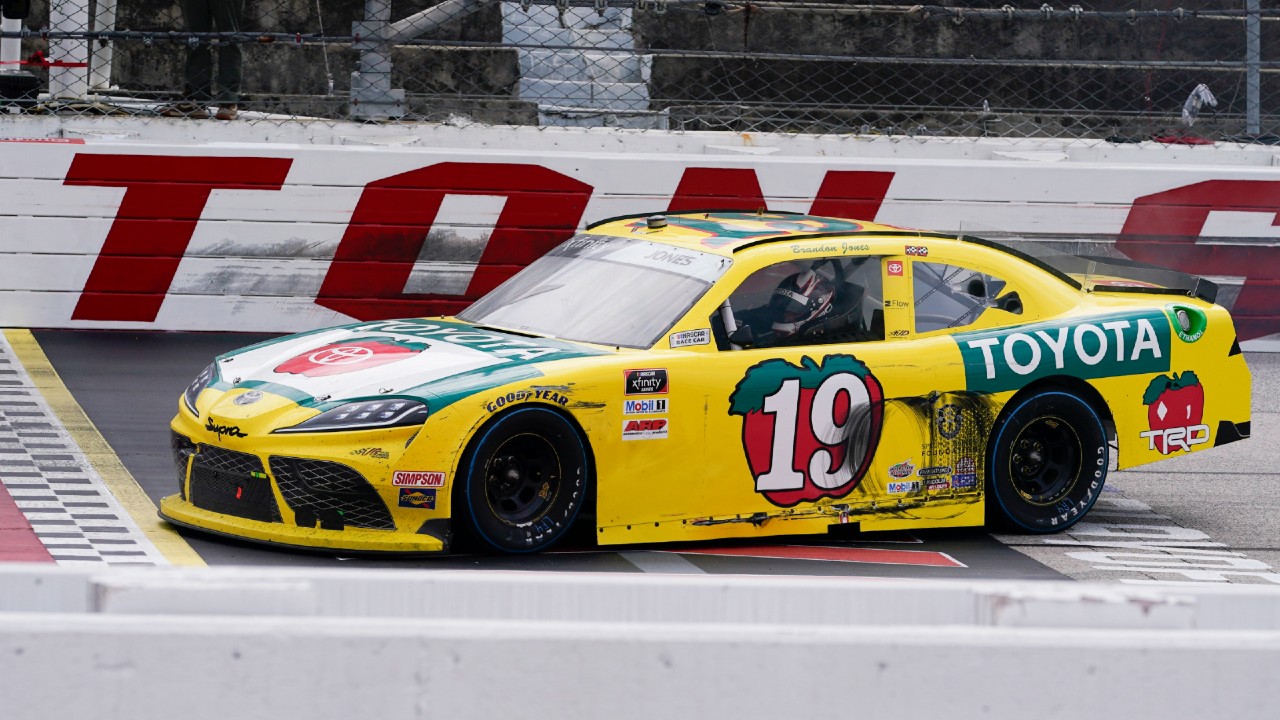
1101 347
824 418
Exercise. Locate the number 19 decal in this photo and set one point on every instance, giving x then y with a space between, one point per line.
809 431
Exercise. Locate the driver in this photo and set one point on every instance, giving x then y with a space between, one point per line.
808 307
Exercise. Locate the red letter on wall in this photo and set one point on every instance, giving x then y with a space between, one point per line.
1163 228
394 215
163 201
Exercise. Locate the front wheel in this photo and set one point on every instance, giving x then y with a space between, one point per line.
1046 463
525 480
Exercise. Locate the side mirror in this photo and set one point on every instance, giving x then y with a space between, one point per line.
1010 303
743 337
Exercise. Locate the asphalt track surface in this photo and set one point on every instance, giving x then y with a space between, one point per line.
128 383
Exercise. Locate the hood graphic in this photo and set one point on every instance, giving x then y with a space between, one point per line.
345 357
439 361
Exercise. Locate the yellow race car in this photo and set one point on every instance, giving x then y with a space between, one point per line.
718 374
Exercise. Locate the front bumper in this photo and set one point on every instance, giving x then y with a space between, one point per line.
181 512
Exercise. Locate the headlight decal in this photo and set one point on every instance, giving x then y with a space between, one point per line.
198 385
365 415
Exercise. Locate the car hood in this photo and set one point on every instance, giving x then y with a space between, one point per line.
437 361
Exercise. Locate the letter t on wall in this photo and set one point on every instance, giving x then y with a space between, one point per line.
163 201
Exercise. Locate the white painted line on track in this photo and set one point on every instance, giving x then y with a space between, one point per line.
72 511
661 562
1124 540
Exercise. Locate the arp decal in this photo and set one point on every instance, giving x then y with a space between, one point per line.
809 431
344 357
419 479
1188 323
415 498
1103 347
645 382
1175 408
647 406
651 429
950 420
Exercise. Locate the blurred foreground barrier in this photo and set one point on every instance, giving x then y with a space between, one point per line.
259 643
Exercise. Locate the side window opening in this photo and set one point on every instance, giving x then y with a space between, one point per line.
805 302
951 296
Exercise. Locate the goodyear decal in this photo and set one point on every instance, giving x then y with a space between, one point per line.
1108 346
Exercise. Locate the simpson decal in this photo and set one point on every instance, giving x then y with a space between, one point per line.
345 357
654 429
645 382
1104 347
808 431
691 337
426 479
648 406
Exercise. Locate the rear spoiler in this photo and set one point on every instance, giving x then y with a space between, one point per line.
1150 279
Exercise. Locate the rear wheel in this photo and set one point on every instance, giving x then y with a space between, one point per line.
1046 462
526 480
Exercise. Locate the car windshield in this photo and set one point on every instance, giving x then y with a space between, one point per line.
601 289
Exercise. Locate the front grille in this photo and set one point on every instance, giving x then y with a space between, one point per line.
183 449
330 494
223 481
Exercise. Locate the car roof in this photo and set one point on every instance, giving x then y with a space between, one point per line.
726 231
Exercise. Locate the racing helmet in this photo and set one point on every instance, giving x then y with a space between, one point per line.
800 301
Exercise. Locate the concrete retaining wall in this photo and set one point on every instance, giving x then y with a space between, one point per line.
219 643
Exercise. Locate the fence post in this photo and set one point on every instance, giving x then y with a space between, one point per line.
372 97
104 53
69 82
1253 64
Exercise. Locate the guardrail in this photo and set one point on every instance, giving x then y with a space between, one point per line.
266 642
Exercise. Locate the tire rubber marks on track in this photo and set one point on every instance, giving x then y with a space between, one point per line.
1142 547
53 505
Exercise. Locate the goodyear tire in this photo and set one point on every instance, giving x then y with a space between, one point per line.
526 479
1046 463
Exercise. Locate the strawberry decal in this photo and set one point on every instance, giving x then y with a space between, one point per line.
809 431
1175 407
345 357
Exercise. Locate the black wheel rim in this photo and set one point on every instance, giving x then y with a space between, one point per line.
522 479
1044 460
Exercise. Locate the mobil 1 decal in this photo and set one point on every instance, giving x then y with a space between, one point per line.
809 431
1094 347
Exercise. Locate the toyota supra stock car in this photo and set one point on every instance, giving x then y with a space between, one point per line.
707 375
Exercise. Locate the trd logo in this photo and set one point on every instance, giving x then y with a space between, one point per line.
1176 438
